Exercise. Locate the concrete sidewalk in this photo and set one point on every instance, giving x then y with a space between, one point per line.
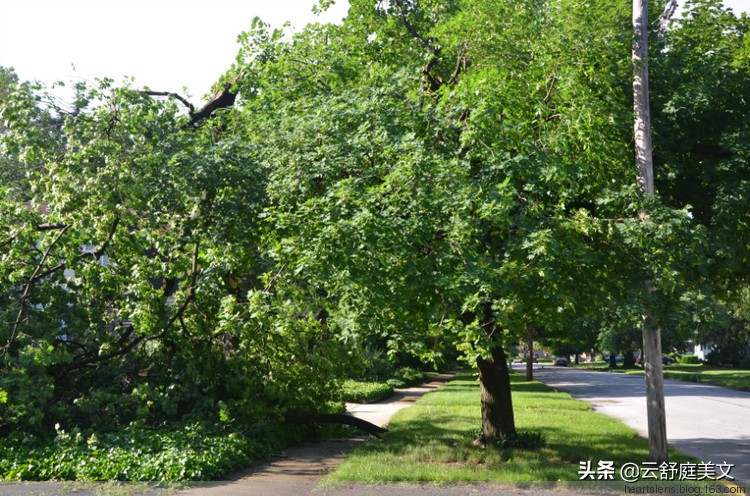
380 412
300 468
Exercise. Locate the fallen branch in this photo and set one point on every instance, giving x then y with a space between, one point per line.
335 418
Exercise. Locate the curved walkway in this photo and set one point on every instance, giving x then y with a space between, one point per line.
300 468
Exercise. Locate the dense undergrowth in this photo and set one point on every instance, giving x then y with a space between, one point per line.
173 452
181 452
369 390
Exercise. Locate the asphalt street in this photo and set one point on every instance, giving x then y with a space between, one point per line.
709 422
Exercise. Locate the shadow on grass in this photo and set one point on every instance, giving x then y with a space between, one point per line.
438 429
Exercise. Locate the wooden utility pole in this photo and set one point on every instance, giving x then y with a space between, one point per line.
657 422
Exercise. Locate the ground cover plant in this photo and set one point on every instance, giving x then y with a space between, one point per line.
137 453
372 390
433 440
363 391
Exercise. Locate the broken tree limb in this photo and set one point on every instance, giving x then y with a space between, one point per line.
224 98
176 96
334 418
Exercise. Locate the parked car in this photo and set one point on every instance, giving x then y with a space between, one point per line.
666 360
561 362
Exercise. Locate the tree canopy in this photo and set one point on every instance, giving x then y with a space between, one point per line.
436 176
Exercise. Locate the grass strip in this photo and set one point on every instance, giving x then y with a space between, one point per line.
717 376
432 440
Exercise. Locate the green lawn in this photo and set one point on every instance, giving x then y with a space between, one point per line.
732 378
432 440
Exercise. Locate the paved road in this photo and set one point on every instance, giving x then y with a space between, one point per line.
709 422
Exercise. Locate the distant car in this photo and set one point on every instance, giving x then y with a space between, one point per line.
561 362
664 359
618 358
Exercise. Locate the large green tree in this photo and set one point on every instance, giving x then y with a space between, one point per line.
133 284
457 167
427 174
701 82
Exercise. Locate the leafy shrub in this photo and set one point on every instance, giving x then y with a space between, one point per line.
358 391
396 383
178 453
728 354
410 375
690 360
377 367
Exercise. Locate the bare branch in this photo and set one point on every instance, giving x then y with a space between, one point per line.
176 96
102 358
98 253
50 226
460 62
551 85
435 81
665 17
409 27
335 418
27 291
191 291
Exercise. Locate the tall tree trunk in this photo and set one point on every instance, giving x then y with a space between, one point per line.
496 402
494 387
628 360
657 430
530 354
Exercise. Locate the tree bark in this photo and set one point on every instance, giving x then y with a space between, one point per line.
530 354
628 360
494 386
657 433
